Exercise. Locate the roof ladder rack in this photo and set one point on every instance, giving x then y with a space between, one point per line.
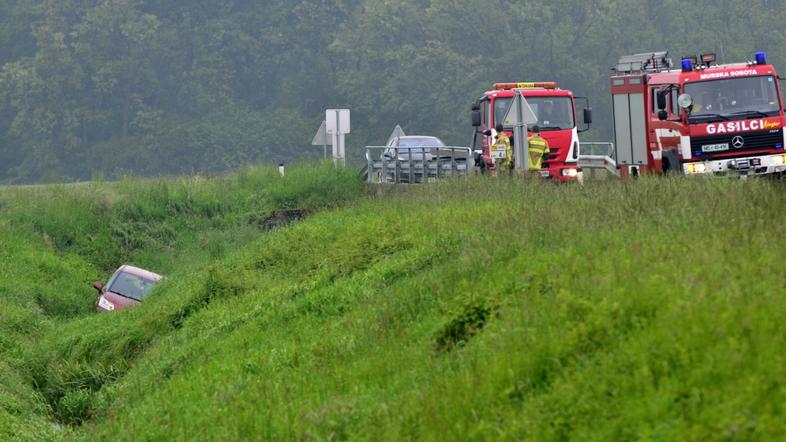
644 62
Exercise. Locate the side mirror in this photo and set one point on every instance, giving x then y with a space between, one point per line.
587 116
663 115
98 286
661 97
475 118
685 101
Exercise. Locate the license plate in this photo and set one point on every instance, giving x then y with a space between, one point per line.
544 174
106 305
715 147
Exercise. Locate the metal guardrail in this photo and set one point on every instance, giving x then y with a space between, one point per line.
597 148
395 165
594 156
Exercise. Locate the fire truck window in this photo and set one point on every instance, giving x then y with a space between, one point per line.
734 97
654 101
675 107
554 113
500 107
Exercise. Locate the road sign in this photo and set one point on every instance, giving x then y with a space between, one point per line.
397 132
321 139
337 121
338 125
519 112
499 150
519 115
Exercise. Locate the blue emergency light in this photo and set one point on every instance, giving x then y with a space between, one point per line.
761 58
687 65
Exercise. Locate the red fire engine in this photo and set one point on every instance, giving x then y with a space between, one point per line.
702 118
556 112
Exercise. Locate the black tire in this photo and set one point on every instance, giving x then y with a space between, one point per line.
670 163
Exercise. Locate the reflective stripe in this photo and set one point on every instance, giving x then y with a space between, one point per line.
685 147
536 149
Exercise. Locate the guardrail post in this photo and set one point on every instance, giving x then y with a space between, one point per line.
409 162
397 166
369 166
384 177
453 168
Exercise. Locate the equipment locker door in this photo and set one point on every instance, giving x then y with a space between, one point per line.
630 129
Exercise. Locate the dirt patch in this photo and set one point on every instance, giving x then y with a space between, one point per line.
279 218
463 327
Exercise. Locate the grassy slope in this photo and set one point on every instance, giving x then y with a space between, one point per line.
56 240
469 310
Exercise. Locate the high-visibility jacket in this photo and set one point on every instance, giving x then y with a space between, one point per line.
538 148
504 163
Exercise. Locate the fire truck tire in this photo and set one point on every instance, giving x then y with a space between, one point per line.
671 163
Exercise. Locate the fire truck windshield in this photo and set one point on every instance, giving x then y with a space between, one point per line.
554 113
734 99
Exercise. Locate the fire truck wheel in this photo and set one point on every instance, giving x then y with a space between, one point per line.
670 163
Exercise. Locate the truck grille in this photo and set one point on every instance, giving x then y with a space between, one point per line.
752 141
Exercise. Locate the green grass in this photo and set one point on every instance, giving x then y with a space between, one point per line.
56 240
476 309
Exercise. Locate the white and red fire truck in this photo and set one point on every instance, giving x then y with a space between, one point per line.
700 118
556 112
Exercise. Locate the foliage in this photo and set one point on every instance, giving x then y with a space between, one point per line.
119 87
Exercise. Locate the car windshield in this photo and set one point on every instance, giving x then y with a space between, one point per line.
130 286
554 113
734 98
420 142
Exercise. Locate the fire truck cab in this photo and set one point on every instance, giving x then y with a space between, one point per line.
700 118
556 113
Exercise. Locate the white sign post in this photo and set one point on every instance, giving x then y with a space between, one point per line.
519 115
321 139
337 124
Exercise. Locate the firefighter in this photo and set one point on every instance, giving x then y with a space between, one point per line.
547 114
503 165
538 148
480 160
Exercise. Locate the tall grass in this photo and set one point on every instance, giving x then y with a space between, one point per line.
56 240
474 309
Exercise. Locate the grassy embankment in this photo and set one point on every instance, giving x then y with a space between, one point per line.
476 309
56 240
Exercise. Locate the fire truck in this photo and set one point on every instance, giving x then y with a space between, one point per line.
699 118
556 112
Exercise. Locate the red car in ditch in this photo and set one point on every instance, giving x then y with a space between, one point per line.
127 287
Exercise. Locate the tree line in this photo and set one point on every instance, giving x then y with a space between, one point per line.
93 88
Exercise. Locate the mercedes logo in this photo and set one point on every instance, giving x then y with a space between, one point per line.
738 142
